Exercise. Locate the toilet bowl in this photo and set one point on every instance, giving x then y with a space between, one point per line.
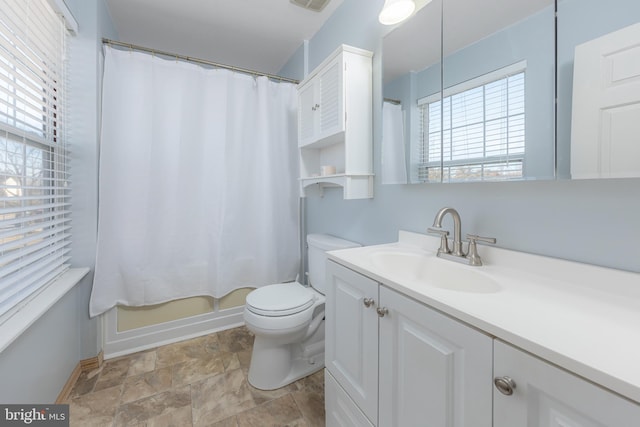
287 320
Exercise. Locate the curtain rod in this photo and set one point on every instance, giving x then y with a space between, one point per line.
197 60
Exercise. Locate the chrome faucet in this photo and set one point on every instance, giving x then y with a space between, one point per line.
457 230
457 254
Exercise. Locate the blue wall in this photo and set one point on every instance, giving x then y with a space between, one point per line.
593 221
85 77
36 366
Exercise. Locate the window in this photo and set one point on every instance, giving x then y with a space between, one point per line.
34 185
477 132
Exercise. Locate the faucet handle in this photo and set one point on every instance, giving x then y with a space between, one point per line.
472 254
444 243
476 238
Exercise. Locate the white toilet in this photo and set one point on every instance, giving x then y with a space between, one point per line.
288 322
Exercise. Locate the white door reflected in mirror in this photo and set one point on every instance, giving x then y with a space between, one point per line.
605 132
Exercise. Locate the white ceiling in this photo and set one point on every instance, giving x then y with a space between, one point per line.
259 35
262 35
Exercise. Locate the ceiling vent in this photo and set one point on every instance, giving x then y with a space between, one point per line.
315 5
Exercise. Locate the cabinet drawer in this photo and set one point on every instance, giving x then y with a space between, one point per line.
341 411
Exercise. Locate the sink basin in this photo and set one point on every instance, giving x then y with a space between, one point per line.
434 271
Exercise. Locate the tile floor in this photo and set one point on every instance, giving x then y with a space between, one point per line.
199 382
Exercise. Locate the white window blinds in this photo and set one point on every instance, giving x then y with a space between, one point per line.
477 132
34 185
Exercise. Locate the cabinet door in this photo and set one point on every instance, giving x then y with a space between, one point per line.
306 114
341 411
434 371
351 342
547 396
331 105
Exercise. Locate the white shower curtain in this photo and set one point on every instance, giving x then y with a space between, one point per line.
394 166
198 191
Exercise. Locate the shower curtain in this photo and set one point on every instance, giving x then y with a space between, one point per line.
394 166
198 186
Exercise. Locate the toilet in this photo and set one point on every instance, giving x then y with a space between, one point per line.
288 322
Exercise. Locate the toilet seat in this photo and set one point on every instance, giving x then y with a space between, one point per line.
282 299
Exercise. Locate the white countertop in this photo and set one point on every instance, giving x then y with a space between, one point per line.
583 318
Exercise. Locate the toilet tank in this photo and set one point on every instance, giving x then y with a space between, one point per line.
318 245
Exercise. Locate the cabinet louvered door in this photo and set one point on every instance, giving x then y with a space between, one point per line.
331 103
306 115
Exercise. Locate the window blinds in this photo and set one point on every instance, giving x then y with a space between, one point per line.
477 131
34 182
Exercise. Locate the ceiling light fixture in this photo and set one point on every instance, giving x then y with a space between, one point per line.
315 5
395 11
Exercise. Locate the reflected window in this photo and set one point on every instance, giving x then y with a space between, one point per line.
477 131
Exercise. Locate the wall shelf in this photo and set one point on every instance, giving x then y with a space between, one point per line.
335 123
356 186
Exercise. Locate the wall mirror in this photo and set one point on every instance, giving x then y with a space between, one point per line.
598 124
483 110
411 55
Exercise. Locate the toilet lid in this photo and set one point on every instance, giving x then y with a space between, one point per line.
280 300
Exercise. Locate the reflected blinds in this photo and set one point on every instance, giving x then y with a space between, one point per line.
34 185
477 132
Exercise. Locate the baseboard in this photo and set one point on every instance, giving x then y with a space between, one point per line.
84 365
92 363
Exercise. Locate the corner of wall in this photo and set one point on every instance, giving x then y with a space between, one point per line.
296 65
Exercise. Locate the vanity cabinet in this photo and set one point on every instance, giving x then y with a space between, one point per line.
399 362
394 361
547 396
335 124
351 343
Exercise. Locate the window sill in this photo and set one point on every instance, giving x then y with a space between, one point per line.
39 304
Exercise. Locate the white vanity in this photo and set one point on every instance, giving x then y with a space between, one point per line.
524 340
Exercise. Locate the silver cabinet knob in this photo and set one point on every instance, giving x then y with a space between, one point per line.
505 385
382 311
368 302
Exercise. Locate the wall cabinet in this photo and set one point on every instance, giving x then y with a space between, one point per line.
547 396
393 361
335 124
432 369
321 107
